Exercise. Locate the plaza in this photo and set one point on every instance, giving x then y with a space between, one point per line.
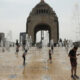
37 65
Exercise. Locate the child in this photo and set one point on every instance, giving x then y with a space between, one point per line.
17 49
24 55
17 46
52 45
50 56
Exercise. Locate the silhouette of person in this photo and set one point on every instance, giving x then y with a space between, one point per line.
24 44
52 45
17 46
50 56
24 57
73 61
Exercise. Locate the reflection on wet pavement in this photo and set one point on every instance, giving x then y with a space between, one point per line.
37 65
12 76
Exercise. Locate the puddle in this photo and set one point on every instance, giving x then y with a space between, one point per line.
1 56
45 67
46 78
21 66
12 76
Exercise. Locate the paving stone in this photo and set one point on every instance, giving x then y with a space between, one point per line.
37 65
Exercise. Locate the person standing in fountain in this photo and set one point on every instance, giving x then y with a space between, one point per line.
52 45
24 44
73 61
24 56
50 56
17 46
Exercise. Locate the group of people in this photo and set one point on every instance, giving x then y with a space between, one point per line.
25 51
73 60
51 50
72 55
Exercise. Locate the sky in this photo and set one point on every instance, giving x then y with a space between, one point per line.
14 13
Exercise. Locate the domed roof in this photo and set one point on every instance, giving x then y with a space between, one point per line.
43 8
42 4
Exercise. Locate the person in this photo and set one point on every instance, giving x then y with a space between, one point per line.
17 46
52 45
17 49
73 61
24 44
24 57
50 56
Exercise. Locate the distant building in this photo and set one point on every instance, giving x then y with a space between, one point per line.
22 37
2 38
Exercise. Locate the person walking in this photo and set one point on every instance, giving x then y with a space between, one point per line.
24 57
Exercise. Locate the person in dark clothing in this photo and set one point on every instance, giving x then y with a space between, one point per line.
50 56
17 49
24 44
73 61
17 46
52 48
24 57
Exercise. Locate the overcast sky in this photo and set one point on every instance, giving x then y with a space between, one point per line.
14 13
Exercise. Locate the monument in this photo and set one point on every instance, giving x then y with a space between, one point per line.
42 18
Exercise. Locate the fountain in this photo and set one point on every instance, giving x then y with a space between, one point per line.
8 40
2 45
27 42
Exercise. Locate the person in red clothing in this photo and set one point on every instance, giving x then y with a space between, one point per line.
73 61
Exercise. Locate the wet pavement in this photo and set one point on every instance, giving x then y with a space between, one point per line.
37 65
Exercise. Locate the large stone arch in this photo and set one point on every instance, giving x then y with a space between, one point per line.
43 15
42 26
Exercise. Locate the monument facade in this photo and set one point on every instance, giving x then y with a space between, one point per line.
42 17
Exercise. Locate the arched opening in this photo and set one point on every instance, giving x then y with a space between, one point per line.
42 32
